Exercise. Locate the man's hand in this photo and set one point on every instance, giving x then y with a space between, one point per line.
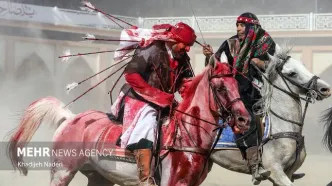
259 63
184 88
207 50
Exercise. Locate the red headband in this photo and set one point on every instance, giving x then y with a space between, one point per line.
248 20
181 32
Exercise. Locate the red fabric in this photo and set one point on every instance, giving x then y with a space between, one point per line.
247 20
161 26
148 92
132 111
133 107
183 33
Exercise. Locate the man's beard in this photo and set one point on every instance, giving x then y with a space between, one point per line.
179 54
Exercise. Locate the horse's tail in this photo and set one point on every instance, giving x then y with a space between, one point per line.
327 118
47 109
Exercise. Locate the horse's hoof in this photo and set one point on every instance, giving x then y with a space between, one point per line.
264 173
255 181
297 176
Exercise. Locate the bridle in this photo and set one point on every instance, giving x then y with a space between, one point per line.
223 111
309 87
310 91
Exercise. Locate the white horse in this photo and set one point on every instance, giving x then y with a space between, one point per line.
283 152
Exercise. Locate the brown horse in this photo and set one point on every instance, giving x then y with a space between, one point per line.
187 136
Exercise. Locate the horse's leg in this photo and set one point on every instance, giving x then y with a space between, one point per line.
279 178
94 177
273 164
297 165
65 167
232 160
64 172
62 177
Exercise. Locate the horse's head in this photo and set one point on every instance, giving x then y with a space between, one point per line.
297 77
226 94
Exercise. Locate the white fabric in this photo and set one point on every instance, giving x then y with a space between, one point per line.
223 58
143 36
115 108
169 51
127 34
145 127
257 83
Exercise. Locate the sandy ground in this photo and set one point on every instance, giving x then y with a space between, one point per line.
316 167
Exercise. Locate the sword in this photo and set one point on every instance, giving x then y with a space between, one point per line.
196 21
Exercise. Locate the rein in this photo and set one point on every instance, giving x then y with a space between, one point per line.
309 87
214 91
311 95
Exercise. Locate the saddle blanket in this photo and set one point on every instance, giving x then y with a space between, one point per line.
227 137
107 148
119 154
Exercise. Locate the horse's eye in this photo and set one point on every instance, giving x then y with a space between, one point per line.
292 74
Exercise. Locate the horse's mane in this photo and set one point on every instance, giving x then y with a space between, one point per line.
191 90
277 60
221 68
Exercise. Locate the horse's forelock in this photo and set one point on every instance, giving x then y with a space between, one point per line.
277 61
222 68
192 89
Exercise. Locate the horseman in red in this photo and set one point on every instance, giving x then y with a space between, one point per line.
160 66
249 47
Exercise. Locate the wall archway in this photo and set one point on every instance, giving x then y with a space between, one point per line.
32 80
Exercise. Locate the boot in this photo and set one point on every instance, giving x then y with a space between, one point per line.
143 160
255 167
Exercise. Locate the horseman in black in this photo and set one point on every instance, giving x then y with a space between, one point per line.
242 51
